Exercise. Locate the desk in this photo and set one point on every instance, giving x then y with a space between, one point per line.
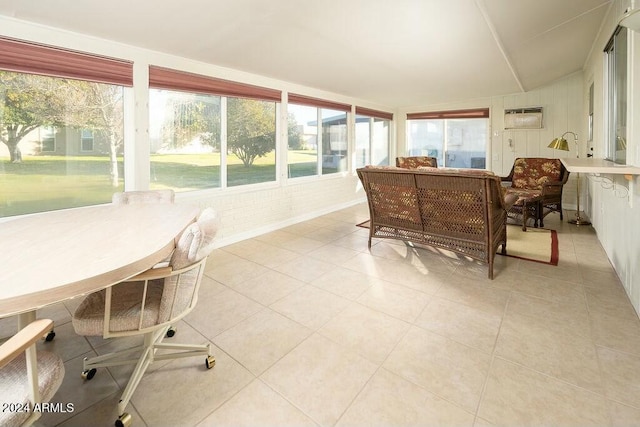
53 256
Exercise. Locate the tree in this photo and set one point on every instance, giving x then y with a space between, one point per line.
251 128
294 133
30 101
194 116
99 107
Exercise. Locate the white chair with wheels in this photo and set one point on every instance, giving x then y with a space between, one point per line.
147 305
27 377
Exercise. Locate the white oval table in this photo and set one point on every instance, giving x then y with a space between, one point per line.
53 256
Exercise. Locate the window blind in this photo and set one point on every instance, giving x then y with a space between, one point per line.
476 113
165 78
374 113
316 102
34 58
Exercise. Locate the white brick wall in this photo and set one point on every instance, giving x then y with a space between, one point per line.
248 213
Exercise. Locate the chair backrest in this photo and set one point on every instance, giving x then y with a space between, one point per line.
151 196
444 200
18 387
196 242
415 162
533 172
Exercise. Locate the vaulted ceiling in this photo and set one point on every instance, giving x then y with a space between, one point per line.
396 53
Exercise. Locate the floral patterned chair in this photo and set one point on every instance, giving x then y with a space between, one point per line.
538 179
415 162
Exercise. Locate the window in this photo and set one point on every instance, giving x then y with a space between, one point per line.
251 141
616 60
47 140
333 141
209 133
302 155
86 140
456 138
46 95
372 137
316 126
184 136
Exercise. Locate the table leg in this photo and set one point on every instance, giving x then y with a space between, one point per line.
25 318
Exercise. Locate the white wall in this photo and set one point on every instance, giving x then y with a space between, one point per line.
615 211
246 211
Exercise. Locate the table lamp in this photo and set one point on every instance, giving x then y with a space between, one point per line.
562 144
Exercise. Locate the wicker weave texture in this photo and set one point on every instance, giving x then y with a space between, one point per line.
460 212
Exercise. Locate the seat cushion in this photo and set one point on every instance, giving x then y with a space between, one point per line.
416 161
15 384
533 173
126 305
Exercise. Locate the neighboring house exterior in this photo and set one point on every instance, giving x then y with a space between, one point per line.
61 141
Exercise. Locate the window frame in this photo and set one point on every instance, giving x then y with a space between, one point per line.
616 150
452 115
372 115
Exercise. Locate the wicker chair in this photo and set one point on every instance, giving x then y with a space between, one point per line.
539 178
147 305
463 211
415 162
22 387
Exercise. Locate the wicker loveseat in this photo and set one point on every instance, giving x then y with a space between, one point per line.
460 210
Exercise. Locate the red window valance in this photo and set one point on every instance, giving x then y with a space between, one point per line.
476 113
34 58
374 113
316 102
165 78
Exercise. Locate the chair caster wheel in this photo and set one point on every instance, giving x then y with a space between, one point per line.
171 332
210 362
50 336
87 375
124 420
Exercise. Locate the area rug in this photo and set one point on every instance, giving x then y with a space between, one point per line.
535 244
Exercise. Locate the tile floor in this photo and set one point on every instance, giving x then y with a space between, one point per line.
310 328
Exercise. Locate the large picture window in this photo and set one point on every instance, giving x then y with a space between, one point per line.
317 136
616 59
47 97
456 138
208 133
372 137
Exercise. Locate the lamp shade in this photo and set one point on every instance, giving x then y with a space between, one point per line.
559 144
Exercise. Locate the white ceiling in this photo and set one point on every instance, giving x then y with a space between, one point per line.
396 53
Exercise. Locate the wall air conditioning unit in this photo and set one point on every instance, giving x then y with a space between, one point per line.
523 118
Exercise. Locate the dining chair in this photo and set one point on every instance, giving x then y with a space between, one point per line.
147 305
27 377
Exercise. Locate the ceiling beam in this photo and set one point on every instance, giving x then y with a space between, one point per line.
496 37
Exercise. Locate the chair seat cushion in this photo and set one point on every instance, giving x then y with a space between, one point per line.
522 194
126 307
15 384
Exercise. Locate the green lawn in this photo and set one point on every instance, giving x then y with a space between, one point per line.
42 183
